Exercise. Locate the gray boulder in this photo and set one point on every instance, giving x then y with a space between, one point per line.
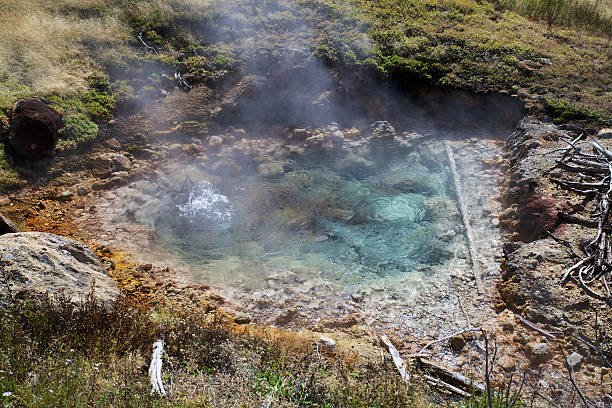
39 262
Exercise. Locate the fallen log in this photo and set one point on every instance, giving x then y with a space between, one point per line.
476 270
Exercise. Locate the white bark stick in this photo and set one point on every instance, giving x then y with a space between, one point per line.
466 222
397 359
155 369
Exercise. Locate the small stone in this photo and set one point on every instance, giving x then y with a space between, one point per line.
83 190
352 133
327 346
507 363
382 129
457 342
107 163
286 316
66 195
574 360
242 318
538 353
357 297
605 133
301 134
7 226
508 325
239 133
215 141
113 143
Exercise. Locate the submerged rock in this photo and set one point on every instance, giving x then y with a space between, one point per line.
382 129
34 128
43 263
272 169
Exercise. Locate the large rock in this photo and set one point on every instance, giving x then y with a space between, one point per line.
107 163
7 226
34 127
38 263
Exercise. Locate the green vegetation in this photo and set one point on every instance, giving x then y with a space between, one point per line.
590 15
498 400
54 353
562 112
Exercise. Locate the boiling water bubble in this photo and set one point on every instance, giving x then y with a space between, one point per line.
205 203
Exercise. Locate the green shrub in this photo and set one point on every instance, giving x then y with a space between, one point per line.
78 129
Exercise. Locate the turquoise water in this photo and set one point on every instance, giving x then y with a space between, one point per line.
348 217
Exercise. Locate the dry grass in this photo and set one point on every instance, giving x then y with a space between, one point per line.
50 53
53 353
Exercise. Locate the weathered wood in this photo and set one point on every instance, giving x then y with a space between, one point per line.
397 359
439 383
576 169
567 274
155 369
452 377
476 269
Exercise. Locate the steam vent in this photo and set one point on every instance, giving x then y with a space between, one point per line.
285 203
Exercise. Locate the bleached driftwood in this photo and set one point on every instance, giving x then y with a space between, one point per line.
466 222
589 175
397 359
155 369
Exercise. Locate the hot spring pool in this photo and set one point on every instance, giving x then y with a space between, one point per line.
350 216
289 231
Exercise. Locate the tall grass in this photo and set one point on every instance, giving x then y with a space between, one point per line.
593 16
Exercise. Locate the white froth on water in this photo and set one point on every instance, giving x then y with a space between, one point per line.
205 203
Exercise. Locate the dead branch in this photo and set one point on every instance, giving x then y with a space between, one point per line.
596 264
452 377
155 369
535 327
397 359
439 383
448 338
147 46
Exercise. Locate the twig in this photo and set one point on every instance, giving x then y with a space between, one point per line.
452 376
535 327
437 382
149 47
448 337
